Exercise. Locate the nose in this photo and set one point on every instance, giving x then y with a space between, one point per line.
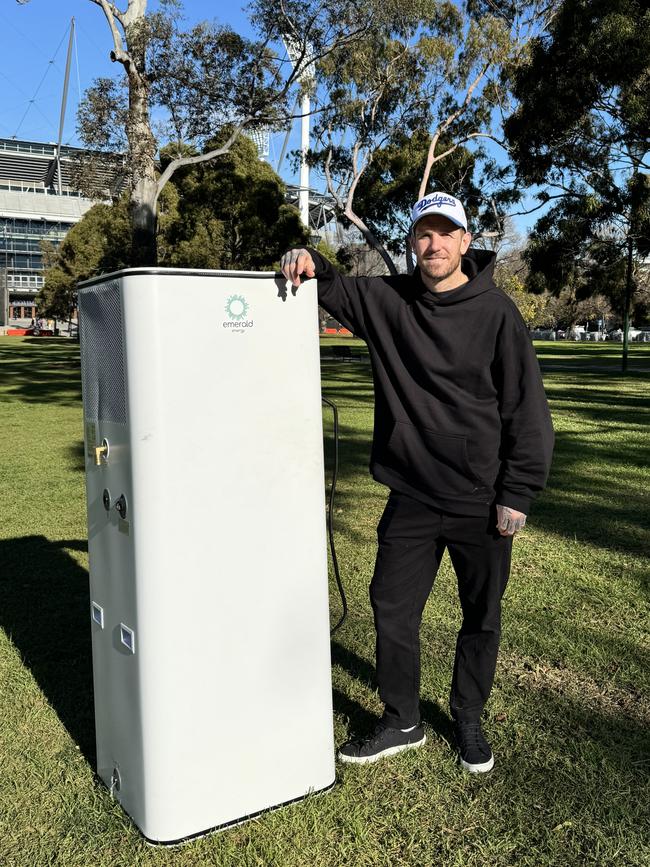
433 244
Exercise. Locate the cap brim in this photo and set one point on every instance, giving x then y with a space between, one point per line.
438 214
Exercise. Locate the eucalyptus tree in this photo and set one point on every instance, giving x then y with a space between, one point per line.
221 214
433 78
581 131
198 80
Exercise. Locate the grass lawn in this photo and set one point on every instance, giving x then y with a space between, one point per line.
570 712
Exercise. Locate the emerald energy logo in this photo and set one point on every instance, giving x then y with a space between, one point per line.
237 308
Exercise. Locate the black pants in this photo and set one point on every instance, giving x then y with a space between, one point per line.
412 539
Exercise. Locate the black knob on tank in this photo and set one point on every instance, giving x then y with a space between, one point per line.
120 505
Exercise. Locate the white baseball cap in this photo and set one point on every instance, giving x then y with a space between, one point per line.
439 203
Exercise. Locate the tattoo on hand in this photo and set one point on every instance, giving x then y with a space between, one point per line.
509 523
291 257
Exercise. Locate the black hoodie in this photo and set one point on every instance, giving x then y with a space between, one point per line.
461 418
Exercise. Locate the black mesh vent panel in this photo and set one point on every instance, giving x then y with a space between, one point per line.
100 312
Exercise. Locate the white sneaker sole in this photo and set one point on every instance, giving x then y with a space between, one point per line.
478 769
389 751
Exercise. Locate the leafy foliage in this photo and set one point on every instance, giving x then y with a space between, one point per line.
99 243
390 185
582 130
428 81
230 214
584 92
200 81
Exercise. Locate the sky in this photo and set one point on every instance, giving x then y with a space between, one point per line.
33 46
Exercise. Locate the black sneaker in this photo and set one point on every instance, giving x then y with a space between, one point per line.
474 751
384 741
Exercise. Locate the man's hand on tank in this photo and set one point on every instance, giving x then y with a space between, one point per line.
509 521
297 262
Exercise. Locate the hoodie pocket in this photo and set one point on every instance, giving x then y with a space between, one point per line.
432 461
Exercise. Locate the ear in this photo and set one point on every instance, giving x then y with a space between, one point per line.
465 242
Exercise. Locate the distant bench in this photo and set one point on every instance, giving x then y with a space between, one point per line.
343 352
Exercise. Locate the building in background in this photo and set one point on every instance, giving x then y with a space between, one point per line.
35 207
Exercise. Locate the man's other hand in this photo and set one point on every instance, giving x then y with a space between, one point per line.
509 521
297 262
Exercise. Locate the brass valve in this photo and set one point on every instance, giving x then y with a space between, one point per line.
101 452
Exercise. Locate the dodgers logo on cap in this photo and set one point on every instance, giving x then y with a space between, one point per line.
439 203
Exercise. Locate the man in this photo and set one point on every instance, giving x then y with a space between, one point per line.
463 439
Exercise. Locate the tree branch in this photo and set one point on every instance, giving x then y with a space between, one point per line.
541 204
111 12
115 12
195 160
349 212
329 181
371 239
485 135
136 10
442 127
482 235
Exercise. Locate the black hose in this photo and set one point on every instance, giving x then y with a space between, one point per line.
330 516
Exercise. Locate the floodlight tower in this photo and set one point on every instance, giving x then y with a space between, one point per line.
297 53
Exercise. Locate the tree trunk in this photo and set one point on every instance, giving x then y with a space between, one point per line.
370 238
144 223
142 158
410 262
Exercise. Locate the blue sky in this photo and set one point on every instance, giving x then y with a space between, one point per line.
34 34
33 45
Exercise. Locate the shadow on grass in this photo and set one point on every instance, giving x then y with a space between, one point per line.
607 509
598 396
44 609
548 740
350 382
361 720
41 370
77 456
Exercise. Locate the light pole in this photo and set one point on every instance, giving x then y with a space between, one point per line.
5 282
296 54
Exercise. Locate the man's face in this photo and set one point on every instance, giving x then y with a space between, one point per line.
438 245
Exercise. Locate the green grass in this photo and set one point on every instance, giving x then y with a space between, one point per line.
568 718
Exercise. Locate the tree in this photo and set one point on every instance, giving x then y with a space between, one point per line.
233 213
431 77
228 214
100 242
565 311
510 274
581 129
200 80
390 185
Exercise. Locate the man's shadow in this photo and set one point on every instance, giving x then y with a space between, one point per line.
44 609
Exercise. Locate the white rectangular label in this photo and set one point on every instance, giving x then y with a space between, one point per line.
127 637
97 614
